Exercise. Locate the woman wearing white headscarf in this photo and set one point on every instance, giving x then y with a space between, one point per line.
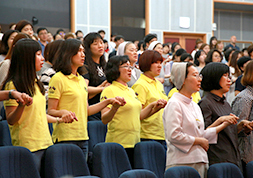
129 49
185 134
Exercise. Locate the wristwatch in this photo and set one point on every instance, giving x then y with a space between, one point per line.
10 95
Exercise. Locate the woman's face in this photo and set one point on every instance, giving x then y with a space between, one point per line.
78 59
220 46
216 57
155 68
202 57
39 60
97 48
131 52
159 48
177 47
166 49
125 72
225 83
214 42
27 30
193 80
10 40
206 49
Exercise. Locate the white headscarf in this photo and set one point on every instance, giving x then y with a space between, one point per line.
152 45
121 48
178 73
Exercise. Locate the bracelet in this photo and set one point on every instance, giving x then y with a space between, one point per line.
57 120
10 95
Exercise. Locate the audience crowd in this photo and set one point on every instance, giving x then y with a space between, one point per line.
197 104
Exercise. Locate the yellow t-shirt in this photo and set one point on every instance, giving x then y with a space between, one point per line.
124 128
148 91
31 131
195 96
72 93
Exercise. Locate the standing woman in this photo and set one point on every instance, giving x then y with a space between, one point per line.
94 69
129 49
25 26
121 129
6 43
216 82
185 133
148 89
242 106
67 97
28 124
213 42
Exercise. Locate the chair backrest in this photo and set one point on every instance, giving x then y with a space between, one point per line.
224 170
65 159
249 169
138 173
97 132
5 137
181 172
110 160
17 162
150 155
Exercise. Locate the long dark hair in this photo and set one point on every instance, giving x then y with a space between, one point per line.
87 41
22 70
4 48
64 55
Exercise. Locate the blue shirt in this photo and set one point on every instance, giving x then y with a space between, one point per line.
42 47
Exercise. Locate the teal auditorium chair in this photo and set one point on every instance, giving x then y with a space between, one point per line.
224 170
150 155
181 172
17 162
5 138
65 159
138 173
110 160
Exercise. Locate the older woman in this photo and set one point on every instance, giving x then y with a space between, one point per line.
129 49
186 137
148 89
242 106
216 82
122 130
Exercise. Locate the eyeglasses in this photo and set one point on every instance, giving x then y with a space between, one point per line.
228 77
127 67
198 76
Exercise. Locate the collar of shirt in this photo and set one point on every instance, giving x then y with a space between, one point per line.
120 85
217 98
183 98
72 76
149 80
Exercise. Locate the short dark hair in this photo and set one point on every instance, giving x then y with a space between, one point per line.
112 67
118 37
209 57
149 37
101 31
40 29
212 74
78 31
60 30
247 78
21 24
180 51
62 63
141 42
227 53
147 58
197 55
250 49
51 50
173 46
242 61
184 56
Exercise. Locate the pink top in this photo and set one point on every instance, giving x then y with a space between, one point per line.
183 121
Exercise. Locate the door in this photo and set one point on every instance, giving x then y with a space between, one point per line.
186 40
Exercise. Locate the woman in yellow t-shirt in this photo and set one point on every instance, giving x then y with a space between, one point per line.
148 89
28 121
68 95
124 122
